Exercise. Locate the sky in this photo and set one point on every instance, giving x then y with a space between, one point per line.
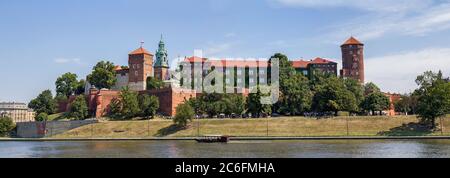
42 39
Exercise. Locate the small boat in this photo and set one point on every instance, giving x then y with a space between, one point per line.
213 139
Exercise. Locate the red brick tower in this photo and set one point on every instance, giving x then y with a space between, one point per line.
353 60
140 62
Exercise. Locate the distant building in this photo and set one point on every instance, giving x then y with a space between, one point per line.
18 112
353 60
307 68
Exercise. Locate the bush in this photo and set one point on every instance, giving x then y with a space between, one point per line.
185 114
42 117
6 126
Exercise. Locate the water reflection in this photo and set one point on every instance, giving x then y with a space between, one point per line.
235 149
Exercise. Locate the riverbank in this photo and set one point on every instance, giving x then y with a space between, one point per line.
231 139
289 127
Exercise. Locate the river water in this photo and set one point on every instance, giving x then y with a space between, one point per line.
234 149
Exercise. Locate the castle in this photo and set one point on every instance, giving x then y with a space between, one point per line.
141 65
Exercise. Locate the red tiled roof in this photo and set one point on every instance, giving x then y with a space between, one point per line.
195 59
229 63
116 68
140 50
300 63
352 41
304 64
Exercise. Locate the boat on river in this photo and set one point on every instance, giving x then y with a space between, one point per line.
213 139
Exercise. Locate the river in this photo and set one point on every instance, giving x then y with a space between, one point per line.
234 149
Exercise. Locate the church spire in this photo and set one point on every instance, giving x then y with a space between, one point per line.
161 55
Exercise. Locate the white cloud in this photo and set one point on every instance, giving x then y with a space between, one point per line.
67 60
397 72
383 17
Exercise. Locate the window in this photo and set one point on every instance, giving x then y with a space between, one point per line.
252 81
262 71
351 52
136 73
250 72
239 72
239 81
262 80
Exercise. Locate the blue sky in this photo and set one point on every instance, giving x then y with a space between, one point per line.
42 39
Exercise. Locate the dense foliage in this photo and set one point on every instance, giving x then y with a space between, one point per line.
78 109
434 97
103 75
67 85
148 105
44 103
185 114
154 83
6 126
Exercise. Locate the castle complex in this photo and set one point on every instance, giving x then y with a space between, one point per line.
141 65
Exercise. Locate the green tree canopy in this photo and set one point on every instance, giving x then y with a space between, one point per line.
148 105
44 103
130 104
6 126
376 101
78 109
41 117
332 95
103 75
371 88
296 97
185 114
66 85
434 98
154 83
256 107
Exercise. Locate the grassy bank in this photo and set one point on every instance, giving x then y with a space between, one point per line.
289 126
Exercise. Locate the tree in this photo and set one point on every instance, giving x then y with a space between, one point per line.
255 107
148 105
44 103
115 109
235 103
356 88
103 75
130 104
79 90
154 83
78 109
407 104
371 88
198 105
434 102
185 114
67 84
286 69
296 97
376 101
41 117
6 126
332 95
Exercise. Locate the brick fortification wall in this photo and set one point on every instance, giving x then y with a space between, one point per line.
169 98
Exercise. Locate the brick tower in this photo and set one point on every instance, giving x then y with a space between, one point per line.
162 63
140 62
353 60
